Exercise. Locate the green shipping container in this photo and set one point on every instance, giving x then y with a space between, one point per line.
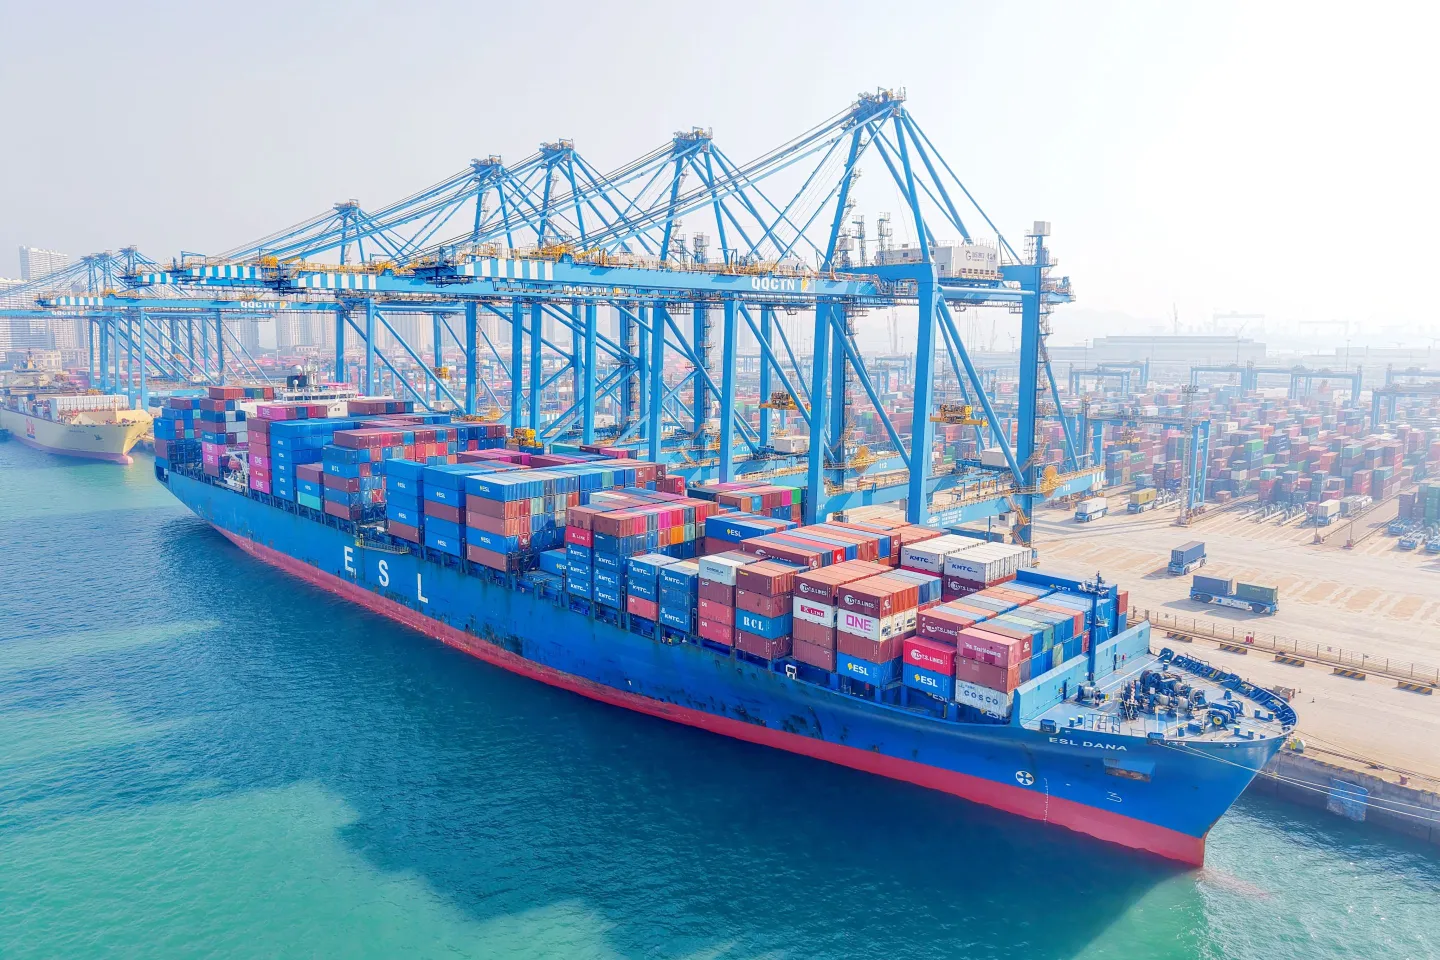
1256 592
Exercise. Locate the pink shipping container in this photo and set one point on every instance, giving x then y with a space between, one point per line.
993 648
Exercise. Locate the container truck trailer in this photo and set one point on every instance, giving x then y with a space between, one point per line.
1225 592
1187 557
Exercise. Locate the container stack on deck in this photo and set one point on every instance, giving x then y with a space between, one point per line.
224 432
261 454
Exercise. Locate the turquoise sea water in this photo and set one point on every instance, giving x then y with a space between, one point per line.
202 758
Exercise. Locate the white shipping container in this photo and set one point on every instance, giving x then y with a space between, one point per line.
995 702
1093 505
720 569
790 444
872 628
86 403
989 563
812 612
929 555
993 457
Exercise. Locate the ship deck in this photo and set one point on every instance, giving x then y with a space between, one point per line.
1257 714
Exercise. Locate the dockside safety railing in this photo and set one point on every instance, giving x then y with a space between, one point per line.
1241 636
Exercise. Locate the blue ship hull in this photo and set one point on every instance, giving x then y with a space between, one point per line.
1149 795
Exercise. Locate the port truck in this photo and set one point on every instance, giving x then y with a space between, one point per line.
1141 500
1187 557
1224 592
1091 509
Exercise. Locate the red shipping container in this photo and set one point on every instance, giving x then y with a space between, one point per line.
761 604
878 596
404 532
717 593
814 634
1005 678
762 647
768 577
443 511
994 648
640 607
343 510
717 632
929 655
516 527
875 651
796 539
1123 602
347 484
766 548
812 654
488 558
943 623
719 612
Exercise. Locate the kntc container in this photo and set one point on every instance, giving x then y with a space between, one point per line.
929 556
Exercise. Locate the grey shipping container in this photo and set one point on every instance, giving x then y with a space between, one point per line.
1214 586
1187 552
1255 591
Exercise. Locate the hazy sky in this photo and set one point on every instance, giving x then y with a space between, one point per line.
1260 157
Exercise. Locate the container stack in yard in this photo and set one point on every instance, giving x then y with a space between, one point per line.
1288 452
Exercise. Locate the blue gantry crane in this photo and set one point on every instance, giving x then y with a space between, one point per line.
679 251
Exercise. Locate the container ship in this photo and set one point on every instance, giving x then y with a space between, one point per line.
93 426
901 651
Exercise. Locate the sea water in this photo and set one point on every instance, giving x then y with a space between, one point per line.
200 757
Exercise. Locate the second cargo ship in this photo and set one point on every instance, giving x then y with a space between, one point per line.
941 661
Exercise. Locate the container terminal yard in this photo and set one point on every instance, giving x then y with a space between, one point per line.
798 453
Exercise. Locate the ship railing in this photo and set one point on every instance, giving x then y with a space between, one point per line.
1192 627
